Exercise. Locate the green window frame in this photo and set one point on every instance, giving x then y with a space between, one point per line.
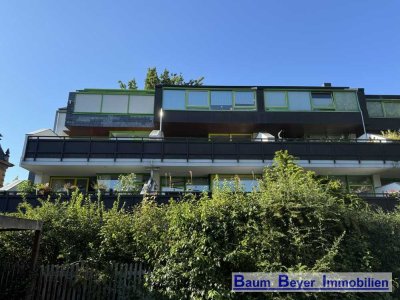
316 107
190 106
74 179
275 107
383 107
241 106
355 183
233 105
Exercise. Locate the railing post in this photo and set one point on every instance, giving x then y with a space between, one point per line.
212 150
116 149
62 150
162 150
237 151
90 149
141 153
187 149
36 148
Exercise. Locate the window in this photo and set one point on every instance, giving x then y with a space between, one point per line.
174 99
383 108
392 109
346 101
299 101
355 184
59 184
275 100
245 99
247 182
360 184
375 109
110 181
181 184
322 101
221 100
197 184
197 98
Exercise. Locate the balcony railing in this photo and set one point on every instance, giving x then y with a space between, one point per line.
9 201
197 148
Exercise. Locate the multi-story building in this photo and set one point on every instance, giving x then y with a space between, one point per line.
183 136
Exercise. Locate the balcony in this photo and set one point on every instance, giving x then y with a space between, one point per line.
9 201
61 148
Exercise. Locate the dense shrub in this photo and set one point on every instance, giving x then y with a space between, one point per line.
292 222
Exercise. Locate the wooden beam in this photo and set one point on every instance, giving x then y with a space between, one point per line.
13 223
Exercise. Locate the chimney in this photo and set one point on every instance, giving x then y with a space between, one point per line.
327 84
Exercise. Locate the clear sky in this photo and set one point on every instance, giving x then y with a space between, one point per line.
49 48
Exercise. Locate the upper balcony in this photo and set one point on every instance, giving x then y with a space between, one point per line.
188 149
297 110
91 108
383 112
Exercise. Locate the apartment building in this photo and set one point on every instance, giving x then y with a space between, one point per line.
183 137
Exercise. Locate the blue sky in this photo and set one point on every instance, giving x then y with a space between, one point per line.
49 48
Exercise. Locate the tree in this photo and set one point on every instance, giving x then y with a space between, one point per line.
165 78
151 79
122 85
132 84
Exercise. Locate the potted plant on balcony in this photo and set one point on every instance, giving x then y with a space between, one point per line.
43 189
127 184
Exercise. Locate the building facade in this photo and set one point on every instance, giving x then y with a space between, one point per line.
189 138
4 164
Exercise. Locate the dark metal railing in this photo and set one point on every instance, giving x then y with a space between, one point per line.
9 201
202 148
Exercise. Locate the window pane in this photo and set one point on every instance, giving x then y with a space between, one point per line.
198 185
275 99
244 99
359 180
221 100
375 109
174 99
322 100
392 109
299 101
346 101
172 184
198 98
107 181
61 184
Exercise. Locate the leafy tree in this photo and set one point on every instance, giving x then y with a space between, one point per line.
151 79
166 78
127 183
122 85
132 84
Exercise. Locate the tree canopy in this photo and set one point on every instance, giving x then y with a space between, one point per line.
166 77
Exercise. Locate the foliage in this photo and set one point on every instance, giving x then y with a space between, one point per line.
25 188
166 78
294 221
127 183
393 135
151 79
131 85
71 230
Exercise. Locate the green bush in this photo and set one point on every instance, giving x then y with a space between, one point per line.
292 222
